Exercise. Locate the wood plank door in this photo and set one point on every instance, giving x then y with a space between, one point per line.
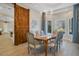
21 24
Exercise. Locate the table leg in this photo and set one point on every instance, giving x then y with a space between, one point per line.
46 47
0 33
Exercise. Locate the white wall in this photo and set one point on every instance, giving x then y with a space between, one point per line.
11 26
35 21
60 15
65 16
1 26
56 18
7 27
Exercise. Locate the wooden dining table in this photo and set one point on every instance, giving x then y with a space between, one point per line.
45 39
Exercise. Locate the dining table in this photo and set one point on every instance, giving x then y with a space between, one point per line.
45 39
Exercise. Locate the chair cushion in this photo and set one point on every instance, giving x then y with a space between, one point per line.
36 46
51 44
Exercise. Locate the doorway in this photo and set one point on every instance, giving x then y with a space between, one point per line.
6 25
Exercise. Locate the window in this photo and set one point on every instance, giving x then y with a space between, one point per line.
70 25
49 26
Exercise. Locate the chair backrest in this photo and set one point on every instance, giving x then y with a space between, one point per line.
30 38
59 37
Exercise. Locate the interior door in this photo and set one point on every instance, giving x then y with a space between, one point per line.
21 23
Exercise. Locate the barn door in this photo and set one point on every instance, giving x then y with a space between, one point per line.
21 23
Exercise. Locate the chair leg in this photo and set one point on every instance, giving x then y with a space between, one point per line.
54 53
35 53
28 50
59 46
56 48
50 49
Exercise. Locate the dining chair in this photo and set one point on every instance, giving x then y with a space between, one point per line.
60 35
33 44
55 44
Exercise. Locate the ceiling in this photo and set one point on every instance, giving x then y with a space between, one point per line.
7 9
45 6
6 12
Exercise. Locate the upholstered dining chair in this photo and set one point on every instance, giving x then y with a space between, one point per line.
55 45
33 44
60 36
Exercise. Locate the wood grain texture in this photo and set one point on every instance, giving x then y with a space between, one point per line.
21 24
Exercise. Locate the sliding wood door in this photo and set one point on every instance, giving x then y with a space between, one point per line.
21 23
